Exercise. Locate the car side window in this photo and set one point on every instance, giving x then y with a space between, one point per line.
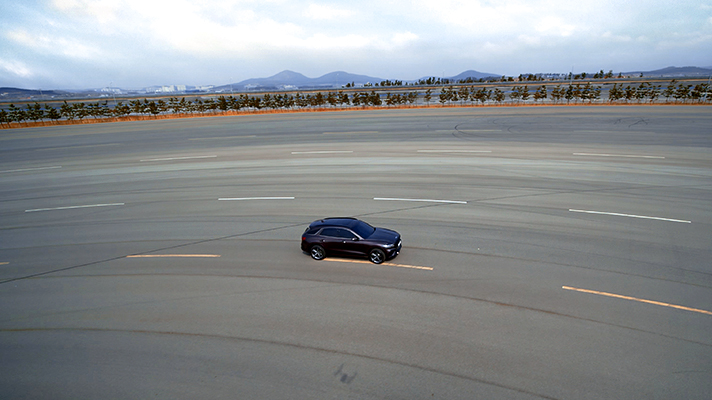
343 233
331 232
337 233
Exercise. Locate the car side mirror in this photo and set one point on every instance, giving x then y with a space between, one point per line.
354 239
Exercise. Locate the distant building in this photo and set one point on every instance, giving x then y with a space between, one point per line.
551 75
111 90
170 89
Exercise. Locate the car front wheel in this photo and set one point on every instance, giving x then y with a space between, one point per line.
318 253
377 256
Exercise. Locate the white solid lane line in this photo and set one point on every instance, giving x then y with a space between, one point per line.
74 207
254 198
177 158
631 216
28 169
323 152
454 151
616 155
420 200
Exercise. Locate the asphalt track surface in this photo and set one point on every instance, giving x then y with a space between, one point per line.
567 257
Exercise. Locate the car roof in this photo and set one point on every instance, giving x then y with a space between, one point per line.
348 222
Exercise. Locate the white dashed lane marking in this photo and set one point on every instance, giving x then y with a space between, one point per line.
254 198
454 151
323 152
177 158
617 155
74 207
29 169
420 200
630 216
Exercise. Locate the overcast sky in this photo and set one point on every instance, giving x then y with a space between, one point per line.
70 44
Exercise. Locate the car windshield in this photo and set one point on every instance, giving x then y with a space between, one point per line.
363 229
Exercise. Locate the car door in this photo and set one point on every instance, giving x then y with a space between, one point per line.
350 242
331 241
340 241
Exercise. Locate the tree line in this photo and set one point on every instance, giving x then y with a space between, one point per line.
645 92
580 93
102 110
522 77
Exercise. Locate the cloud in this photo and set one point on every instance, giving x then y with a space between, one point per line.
404 38
326 12
608 35
211 38
56 45
324 42
102 12
235 29
531 41
206 40
554 25
15 68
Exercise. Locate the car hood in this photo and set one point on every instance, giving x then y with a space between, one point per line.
384 235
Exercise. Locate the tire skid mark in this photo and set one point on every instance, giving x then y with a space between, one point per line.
420 291
292 345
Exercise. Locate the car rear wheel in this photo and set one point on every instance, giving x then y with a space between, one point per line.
317 252
377 256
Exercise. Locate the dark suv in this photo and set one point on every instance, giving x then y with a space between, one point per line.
350 237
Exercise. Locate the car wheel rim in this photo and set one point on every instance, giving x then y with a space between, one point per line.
317 254
376 257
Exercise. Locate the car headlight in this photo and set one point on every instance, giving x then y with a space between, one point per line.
389 246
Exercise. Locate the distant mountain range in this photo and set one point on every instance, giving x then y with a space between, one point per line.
674 72
8 92
472 74
294 80
290 80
